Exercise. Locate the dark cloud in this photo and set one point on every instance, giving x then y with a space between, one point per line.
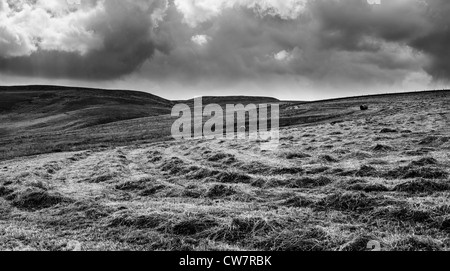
315 44
435 42
325 45
354 25
126 31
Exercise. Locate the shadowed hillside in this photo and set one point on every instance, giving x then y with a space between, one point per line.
45 119
49 108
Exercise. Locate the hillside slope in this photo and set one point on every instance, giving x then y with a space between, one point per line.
34 109
46 119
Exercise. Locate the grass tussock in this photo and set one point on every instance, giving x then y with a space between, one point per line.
220 191
200 173
310 239
103 178
5 209
309 182
36 199
222 157
139 184
445 225
359 243
422 186
145 186
368 187
367 171
242 229
194 226
154 156
403 214
361 155
128 219
328 159
255 167
419 152
151 190
291 155
426 161
298 202
434 141
417 243
77 216
173 165
317 170
413 172
286 171
355 202
5 191
233 177
382 148
193 192
388 131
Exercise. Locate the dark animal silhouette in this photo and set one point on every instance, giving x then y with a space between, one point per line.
364 107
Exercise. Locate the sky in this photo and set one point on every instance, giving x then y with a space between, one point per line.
288 49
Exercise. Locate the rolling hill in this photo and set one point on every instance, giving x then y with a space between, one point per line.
28 109
43 119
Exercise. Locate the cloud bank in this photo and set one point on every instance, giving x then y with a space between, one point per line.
95 40
325 47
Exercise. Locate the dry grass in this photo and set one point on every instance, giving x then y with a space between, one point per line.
339 179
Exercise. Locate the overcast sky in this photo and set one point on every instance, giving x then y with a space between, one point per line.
290 49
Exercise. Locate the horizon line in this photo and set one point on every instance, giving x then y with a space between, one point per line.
224 96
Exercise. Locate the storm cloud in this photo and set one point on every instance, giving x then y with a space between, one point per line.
94 40
198 46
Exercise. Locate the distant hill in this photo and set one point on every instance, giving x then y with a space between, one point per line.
224 100
33 108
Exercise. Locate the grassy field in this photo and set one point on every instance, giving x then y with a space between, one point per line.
340 178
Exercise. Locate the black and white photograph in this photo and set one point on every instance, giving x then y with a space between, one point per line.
225 126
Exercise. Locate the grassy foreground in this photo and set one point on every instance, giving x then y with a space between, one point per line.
336 182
